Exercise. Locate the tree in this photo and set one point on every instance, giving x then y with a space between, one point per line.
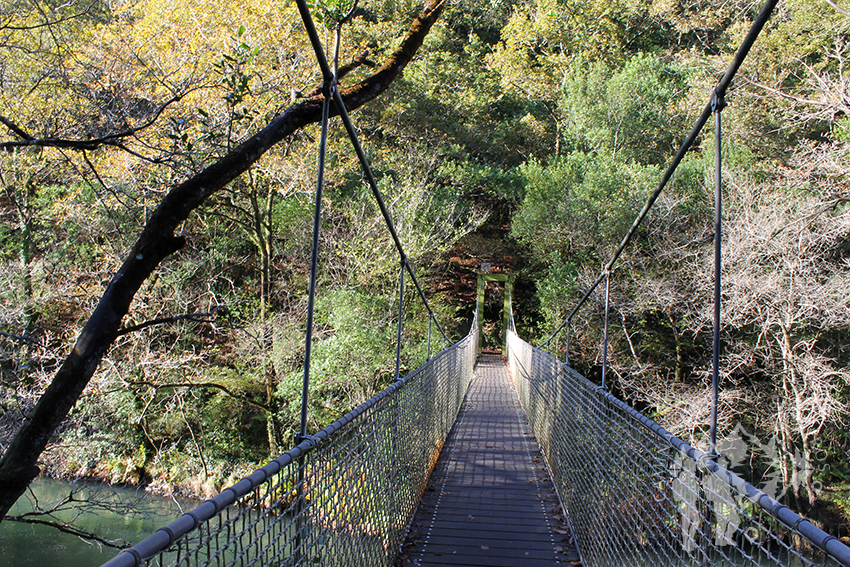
785 295
159 240
785 301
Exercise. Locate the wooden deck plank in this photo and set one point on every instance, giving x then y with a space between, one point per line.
461 550
488 516
490 502
530 526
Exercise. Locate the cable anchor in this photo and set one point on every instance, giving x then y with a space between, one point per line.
328 88
718 101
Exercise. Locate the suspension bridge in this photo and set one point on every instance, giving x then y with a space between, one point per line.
539 467
488 460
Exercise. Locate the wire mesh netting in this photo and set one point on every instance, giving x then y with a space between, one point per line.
637 495
343 497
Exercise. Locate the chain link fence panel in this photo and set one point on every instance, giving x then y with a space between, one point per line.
345 496
637 495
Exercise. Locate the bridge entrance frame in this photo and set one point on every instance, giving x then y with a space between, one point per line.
508 280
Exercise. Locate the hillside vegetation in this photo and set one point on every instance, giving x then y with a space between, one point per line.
544 124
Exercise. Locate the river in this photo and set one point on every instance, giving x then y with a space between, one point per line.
118 513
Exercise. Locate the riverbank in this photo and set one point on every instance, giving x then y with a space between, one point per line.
167 474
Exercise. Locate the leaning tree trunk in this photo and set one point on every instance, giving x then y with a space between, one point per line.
18 466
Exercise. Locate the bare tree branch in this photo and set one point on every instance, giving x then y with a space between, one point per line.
837 7
829 205
208 317
48 23
822 94
66 528
114 139
15 128
22 338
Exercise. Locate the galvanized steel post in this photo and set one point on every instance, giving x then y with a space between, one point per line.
429 338
507 315
479 307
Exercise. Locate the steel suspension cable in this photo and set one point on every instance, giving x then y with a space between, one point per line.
316 43
717 103
311 297
329 86
376 192
720 92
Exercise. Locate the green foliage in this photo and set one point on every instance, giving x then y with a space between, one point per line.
475 178
630 112
578 205
331 12
355 356
235 76
551 117
557 290
841 130
231 428
839 496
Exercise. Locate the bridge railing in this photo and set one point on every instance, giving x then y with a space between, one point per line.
638 495
344 496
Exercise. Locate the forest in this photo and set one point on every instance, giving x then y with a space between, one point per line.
524 134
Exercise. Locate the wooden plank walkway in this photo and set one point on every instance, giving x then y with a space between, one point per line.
490 501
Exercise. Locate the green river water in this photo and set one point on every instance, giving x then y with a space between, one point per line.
120 513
